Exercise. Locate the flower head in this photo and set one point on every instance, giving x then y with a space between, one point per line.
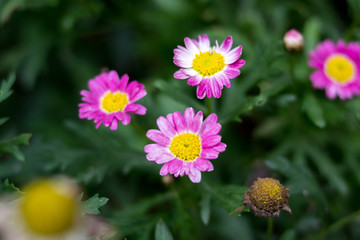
111 99
266 197
293 41
208 68
337 68
49 209
184 144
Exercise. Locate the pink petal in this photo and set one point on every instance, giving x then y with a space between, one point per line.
179 74
158 137
226 44
175 165
209 153
210 129
114 124
210 141
210 120
164 157
220 147
233 55
127 119
194 80
203 165
222 78
232 72
215 88
179 122
204 43
200 91
123 82
195 176
165 127
190 45
164 169
136 96
135 108
238 64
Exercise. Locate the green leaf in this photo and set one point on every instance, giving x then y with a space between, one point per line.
12 145
205 209
92 205
3 120
312 33
162 232
228 196
5 90
328 169
313 110
8 187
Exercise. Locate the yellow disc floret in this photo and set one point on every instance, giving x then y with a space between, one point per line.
208 63
48 207
113 102
186 146
340 68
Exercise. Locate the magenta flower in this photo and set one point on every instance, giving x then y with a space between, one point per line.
111 99
208 68
337 68
185 143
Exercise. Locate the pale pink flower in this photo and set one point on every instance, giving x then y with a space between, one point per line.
185 143
293 41
208 68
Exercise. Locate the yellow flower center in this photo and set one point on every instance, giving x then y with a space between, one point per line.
340 68
186 146
47 208
208 63
113 102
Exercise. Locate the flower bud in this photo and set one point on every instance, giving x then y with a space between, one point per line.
293 41
266 197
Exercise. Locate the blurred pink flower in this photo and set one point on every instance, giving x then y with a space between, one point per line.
184 144
336 68
208 68
293 41
111 99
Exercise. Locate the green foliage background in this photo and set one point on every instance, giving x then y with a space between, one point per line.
274 122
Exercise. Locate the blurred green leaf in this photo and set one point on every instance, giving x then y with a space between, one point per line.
3 120
5 87
313 110
312 33
162 232
92 205
327 168
8 187
12 145
229 197
205 209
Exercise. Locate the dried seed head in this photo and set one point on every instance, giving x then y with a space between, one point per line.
266 197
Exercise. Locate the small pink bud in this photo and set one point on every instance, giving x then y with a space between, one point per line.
293 41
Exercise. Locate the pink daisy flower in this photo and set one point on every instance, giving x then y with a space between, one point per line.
184 144
111 99
337 68
208 68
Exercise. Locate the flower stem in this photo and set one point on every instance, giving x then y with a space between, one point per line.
209 106
338 224
292 67
269 228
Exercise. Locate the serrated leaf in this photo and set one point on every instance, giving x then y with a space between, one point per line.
5 89
12 145
92 205
313 110
8 187
162 232
205 209
229 197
